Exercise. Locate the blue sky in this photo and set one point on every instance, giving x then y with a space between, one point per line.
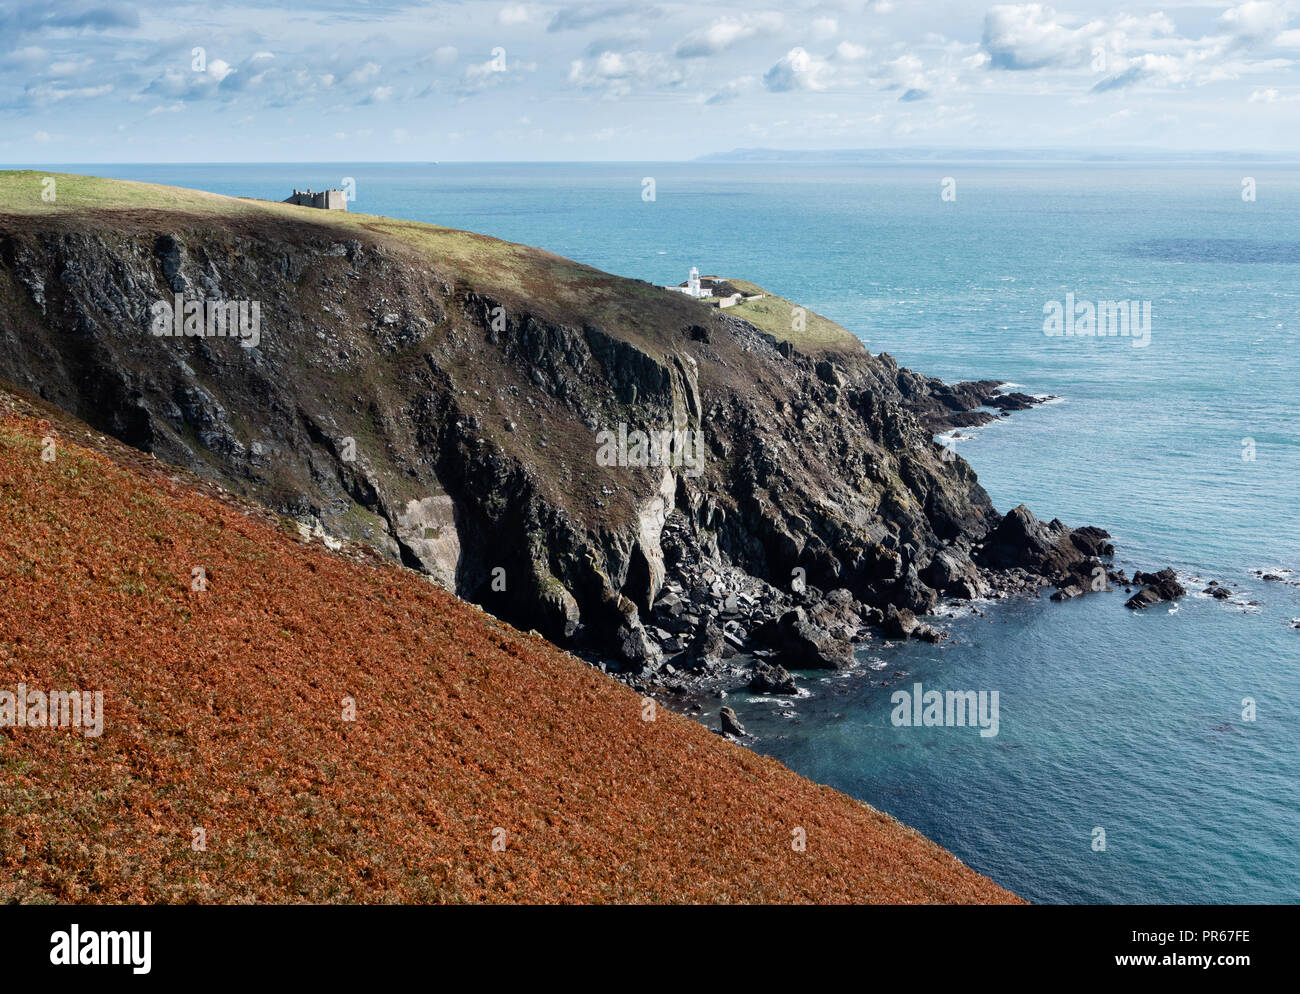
349 80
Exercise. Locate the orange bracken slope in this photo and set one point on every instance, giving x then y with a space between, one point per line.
223 712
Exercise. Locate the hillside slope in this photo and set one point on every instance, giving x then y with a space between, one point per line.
223 711
441 396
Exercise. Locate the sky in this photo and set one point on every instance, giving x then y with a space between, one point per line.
350 80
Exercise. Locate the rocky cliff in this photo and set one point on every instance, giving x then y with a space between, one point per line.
477 409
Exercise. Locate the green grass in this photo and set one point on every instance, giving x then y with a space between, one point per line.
776 316
515 273
21 193
21 190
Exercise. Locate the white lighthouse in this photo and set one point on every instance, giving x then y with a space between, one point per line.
692 286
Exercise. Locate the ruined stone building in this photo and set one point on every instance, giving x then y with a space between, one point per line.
330 200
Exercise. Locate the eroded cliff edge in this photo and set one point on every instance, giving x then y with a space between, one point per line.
440 395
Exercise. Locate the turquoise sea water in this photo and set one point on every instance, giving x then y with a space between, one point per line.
1129 722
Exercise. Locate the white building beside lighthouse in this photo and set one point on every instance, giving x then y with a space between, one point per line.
692 285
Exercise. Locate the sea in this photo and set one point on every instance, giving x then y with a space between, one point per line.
1140 757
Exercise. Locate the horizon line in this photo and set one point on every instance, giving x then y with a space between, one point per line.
797 157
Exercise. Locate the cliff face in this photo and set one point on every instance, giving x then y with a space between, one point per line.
471 408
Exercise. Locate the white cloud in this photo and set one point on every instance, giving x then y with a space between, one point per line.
1033 36
726 32
1255 21
362 74
798 70
1135 49
733 89
850 52
618 73
906 71
516 13
219 69
496 70
44 94
70 67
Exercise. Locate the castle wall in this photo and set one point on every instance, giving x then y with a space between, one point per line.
333 200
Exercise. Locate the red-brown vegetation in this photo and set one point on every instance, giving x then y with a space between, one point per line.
224 711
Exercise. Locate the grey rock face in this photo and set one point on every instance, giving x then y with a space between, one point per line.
729 723
431 408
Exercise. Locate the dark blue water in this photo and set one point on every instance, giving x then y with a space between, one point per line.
1108 719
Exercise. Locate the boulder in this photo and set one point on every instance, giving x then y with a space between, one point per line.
1092 541
635 647
1162 586
769 678
805 646
900 623
839 608
915 594
1144 598
1049 550
709 644
928 633
729 723
950 571
1068 592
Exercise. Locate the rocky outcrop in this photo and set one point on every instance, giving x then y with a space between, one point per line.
1159 587
941 405
478 411
426 532
770 678
729 724
803 645
1049 550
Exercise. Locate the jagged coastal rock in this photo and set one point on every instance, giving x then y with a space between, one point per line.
1159 587
474 408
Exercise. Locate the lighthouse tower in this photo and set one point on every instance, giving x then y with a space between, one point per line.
693 282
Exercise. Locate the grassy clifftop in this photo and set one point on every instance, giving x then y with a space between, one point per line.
787 321
224 711
546 281
529 272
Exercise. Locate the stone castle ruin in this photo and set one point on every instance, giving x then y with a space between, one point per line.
329 200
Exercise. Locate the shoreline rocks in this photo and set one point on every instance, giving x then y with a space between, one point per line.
1159 588
729 724
816 512
714 625
770 678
